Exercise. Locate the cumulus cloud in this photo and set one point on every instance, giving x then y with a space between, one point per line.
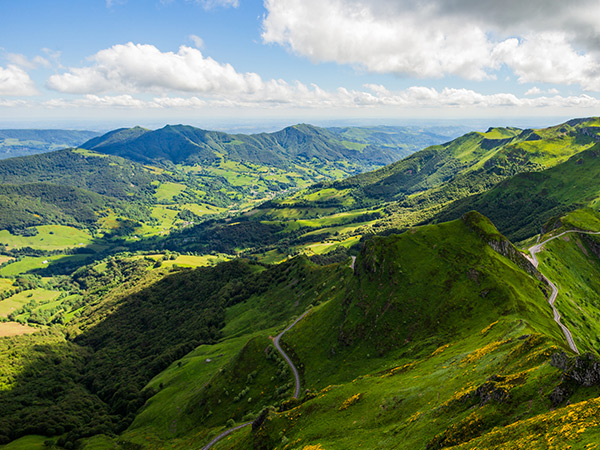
14 81
377 39
540 40
549 58
144 68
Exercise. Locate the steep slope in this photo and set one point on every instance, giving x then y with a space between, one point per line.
522 205
438 337
473 162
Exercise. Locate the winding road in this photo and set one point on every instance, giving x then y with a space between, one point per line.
287 358
225 433
294 371
536 249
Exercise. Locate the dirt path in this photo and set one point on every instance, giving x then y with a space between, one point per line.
296 380
533 251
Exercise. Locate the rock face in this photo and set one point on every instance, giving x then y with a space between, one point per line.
490 391
582 371
559 395
492 237
585 371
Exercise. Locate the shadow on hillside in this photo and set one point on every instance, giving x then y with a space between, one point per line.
93 382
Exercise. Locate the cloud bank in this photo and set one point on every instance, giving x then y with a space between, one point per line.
549 41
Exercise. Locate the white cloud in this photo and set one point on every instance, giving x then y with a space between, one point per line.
143 68
94 101
548 41
282 95
22 61
197 40
534 91
13 103
14 81
549 58
353 32
537 91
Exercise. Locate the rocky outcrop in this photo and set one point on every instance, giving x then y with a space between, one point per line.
492 237
580 371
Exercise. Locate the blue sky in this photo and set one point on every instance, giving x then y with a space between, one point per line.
210 61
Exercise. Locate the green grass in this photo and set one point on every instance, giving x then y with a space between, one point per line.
27 443
22 298
49 237
29 263
163 418
571 264
183 260
428 281
167 190
477 315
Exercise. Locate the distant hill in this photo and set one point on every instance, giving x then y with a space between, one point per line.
424 185
352 150
30 142
112 176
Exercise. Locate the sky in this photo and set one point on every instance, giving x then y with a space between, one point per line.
72 63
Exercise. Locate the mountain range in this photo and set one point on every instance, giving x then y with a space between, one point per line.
449 299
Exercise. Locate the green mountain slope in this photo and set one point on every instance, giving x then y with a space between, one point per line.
439 336
29 205
351 150
112 176
434 340
418 187
522 205
25 142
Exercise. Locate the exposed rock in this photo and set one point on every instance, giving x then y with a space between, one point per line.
560 394
560 360
585 370
581 370
489 391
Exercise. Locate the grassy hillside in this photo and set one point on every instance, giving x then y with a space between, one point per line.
433 340
436 339
522 205
418 188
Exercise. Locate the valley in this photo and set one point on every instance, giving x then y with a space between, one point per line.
312 288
